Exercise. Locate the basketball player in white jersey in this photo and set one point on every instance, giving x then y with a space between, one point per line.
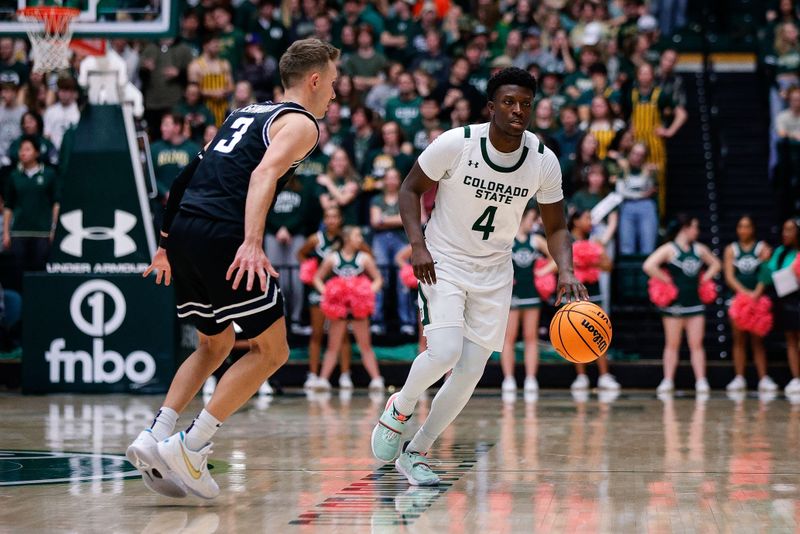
486 173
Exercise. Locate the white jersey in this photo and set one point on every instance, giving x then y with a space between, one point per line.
482 192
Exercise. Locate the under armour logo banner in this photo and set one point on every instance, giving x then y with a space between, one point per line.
471 163
72 243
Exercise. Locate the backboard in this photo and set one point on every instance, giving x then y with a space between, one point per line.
135 19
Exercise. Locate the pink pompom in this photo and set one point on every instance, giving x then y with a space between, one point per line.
739 310
751 315
407 276
762 321
796 266
707 291
545 285
662 294
361 299
586 254
308 269
586 260
335 299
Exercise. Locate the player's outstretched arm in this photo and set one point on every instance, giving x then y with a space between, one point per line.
559 243
293 136
414 186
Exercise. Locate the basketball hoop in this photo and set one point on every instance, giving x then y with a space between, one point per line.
50 31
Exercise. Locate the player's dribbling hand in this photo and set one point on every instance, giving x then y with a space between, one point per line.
161 266
422 262
251 259
570 289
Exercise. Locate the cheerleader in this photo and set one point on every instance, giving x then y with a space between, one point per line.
525 303
580 226
683 257
787 307
741 262
317 246
349 262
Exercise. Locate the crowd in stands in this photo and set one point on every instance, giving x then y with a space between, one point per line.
779 56
608 100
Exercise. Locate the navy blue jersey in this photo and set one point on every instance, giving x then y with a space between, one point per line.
218 189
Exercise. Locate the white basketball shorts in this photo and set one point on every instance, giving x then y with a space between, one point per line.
474 297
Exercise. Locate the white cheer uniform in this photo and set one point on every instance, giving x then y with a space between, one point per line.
480 200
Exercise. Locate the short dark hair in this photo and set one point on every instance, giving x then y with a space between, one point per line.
510 76
303 57
32 140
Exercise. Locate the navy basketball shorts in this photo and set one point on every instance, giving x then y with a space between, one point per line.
200 251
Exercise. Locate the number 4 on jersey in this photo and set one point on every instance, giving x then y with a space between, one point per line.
485 222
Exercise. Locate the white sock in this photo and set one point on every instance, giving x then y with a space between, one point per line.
164 423
453 396
444 350
202 430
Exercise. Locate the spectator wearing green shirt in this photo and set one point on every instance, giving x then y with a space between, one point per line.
196 113
340 187
163 69
366 64
404 109
339 132
390 155
456 87
9 61
598 73
551 88
399 32
273 34
169 155
479 72
567 136
429 114
285 233
31 209
580 81
364 137
231 39
33 126
433 60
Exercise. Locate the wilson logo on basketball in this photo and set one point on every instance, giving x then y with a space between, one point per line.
597 336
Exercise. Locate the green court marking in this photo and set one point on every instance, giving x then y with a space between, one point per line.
29 467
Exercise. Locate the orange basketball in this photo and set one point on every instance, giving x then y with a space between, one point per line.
580 332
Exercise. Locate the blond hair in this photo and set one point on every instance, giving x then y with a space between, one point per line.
303 57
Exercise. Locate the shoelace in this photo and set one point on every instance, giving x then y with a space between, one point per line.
398 416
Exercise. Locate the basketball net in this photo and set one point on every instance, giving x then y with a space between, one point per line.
50 30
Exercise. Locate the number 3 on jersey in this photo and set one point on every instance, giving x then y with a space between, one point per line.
239 126
485 222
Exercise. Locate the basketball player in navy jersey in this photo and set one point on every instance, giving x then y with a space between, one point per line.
212 245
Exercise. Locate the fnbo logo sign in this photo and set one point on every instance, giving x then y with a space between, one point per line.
98 309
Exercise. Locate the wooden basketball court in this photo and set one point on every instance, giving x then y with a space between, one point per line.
302 464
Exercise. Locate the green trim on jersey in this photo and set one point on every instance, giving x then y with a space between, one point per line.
540 150
498 168
466 132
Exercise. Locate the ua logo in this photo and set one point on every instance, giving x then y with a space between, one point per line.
124 222
471 163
